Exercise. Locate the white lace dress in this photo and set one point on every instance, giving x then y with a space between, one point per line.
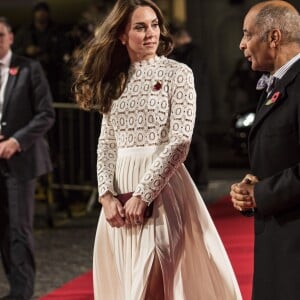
143 143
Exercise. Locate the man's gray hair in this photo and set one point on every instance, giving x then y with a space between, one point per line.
279 17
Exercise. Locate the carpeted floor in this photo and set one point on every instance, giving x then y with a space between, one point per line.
236 232
81 288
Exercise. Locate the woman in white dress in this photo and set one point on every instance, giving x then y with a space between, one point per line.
148 107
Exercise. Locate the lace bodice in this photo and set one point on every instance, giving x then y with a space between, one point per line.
157 108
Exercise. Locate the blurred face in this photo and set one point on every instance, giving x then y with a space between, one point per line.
141 36
6 40
41 18
184 39
257 51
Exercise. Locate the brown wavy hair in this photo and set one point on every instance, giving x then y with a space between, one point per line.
104 61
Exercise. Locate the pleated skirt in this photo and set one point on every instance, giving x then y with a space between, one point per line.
194 263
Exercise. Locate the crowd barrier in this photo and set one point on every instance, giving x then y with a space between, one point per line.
73 144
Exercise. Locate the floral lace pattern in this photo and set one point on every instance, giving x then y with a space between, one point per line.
146 115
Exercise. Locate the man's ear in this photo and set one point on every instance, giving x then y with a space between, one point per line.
11 37
275 38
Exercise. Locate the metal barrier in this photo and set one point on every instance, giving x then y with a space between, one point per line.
73 143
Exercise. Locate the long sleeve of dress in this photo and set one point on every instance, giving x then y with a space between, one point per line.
106 157
182 118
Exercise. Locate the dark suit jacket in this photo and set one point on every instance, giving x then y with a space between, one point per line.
27 116
274 149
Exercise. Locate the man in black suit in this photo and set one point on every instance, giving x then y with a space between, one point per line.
271 42
26 114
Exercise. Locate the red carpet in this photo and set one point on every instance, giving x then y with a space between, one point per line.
80 288
236 232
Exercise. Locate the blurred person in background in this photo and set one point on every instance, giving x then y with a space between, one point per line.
26 114
241 94
189 53
42 40
81 32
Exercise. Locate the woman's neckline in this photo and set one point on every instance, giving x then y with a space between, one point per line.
146 62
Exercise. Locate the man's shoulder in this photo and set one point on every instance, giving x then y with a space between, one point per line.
292 75
18 60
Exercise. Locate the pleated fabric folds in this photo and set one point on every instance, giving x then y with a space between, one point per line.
181 233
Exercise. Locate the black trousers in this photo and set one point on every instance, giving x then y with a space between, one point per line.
16 234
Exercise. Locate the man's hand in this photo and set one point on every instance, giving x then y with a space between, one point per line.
8 147
242 193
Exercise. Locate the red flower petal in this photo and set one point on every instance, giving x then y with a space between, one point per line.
275 97
13 71
157 86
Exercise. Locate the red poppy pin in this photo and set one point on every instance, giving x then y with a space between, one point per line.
273 99
157 86
14 71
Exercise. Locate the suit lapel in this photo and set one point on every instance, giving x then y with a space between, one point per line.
268 104
11 81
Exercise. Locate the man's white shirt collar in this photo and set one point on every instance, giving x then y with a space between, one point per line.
6 59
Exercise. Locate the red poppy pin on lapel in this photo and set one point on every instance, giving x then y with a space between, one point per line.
273 99
14 71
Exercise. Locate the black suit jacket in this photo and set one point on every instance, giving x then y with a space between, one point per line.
27 115
274 149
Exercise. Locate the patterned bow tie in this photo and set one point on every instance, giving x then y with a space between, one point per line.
266 82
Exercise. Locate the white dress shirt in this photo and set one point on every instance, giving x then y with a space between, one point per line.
5 63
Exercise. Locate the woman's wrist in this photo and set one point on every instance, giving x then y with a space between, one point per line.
107 196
